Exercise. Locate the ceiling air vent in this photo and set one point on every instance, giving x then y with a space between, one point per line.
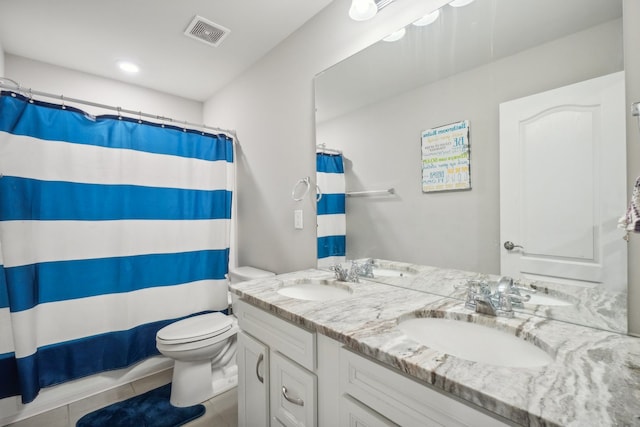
206 31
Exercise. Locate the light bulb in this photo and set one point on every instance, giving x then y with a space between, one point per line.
460 3
395 36
128 67
427 19
361 10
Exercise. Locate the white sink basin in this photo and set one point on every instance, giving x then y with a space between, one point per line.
474 342
315 290
538 299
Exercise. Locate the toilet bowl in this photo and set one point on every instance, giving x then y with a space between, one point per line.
203 348
199 345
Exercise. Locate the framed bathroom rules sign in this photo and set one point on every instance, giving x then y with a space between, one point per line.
445 158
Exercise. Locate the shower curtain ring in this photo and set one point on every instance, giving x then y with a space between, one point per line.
119 113
30 96
64 107
318 193
139 116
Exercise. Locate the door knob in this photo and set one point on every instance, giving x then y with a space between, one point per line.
508 245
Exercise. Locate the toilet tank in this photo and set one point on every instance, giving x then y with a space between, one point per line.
242 274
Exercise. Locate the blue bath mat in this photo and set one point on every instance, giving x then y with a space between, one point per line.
151 409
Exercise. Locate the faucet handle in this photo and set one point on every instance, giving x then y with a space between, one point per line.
476 289
519 298
354 271
339 271
366 269
519 287
505 284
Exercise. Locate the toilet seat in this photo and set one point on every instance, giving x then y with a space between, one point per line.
196 328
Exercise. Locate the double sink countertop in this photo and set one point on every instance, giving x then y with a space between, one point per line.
594 379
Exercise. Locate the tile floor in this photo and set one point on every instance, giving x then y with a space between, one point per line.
222 410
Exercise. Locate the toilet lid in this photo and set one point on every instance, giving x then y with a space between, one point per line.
195 328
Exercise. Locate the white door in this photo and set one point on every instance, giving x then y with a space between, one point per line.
563 184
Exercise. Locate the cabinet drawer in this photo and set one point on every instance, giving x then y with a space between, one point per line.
293 393
355 414
403 400
291 340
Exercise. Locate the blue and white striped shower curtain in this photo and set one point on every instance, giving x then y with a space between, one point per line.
331 209
110 228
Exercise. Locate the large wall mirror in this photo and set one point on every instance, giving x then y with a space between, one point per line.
541 83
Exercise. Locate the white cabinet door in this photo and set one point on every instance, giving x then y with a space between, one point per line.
253 382
293 393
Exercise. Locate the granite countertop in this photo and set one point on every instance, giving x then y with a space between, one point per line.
594 379
597 307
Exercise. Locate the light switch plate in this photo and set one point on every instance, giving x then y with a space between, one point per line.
297 219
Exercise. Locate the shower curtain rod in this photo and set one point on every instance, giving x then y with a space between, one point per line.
322 147
28 92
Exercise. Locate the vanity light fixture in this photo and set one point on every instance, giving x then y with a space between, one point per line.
362 10
396 35
128 67
460 3
427 19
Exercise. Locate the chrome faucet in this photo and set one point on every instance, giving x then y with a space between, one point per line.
507 286
366 268
500 302
344 275
475 289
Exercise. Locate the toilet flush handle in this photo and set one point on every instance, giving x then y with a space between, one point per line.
260 359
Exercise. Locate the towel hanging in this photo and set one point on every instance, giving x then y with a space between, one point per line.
631 219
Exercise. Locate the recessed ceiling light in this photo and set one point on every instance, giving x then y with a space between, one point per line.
128 67
395 36
460 3
427 19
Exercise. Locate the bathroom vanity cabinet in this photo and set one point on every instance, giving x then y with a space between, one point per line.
278 378
351 363
292 376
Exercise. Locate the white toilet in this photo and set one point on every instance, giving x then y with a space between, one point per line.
204 348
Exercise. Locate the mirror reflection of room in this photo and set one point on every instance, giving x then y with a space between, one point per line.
544 97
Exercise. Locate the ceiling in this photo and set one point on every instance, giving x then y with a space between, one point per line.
461 39
92 36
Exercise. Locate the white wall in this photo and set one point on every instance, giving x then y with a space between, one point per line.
56 80
272 108
1 61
